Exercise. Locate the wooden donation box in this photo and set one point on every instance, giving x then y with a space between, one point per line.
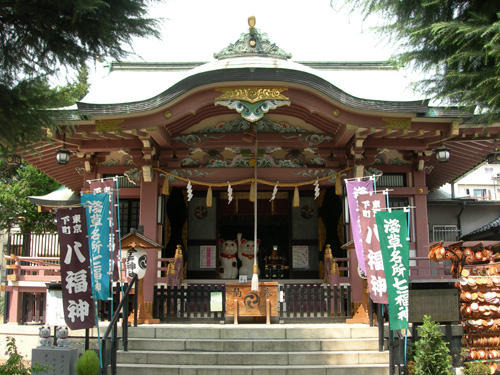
242 301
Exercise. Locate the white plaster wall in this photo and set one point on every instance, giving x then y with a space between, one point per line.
487 176
473 216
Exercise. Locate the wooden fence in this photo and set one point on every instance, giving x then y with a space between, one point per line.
33 245
300 301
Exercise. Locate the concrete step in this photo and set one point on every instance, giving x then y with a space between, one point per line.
143 369
253 358
253 345
261 331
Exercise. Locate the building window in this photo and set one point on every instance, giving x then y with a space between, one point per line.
129 215
445 233
480 193
392 180
399 202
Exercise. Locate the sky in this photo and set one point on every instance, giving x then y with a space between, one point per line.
314 30
192 30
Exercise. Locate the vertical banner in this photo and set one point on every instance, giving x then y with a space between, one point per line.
75 269
354 188
368 205
97 210
109 186
393 232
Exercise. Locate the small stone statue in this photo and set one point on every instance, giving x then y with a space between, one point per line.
45 339
62 337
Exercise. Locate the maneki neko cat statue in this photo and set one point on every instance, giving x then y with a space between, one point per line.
246 256
228 261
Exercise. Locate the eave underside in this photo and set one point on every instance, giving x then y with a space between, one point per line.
342 136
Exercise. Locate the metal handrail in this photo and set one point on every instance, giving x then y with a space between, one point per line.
113 327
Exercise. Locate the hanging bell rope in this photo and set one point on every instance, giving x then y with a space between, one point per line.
254 286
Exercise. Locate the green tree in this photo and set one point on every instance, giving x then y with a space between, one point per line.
431 352
41 37
16 184
456 42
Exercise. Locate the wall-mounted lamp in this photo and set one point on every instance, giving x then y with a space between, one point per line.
442 154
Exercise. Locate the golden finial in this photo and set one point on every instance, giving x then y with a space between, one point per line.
328 251
251 22
178 252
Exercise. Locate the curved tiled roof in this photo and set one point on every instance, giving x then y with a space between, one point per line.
491 225
249 74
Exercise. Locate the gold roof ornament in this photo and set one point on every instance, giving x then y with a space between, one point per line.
251 22
251 94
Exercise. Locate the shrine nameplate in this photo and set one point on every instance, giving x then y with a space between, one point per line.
251 303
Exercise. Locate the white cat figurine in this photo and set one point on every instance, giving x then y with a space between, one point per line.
228 262
246 256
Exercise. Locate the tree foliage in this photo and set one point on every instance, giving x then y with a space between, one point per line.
39 38
16 365
457 42
431 352
16 184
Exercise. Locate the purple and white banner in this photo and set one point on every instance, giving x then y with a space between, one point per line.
97 210
75 269
368 205
354 189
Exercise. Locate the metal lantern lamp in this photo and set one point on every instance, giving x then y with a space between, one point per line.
62 156
442 154
493 157
14 160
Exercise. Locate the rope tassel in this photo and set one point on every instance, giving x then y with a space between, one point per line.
296 197
209 197
165 189
251 195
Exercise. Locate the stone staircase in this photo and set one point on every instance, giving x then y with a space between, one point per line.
251 349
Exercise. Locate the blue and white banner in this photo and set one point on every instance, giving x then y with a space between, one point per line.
97 210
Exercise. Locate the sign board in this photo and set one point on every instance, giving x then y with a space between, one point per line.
215 301
137 261
207 256
54 304
441 304
251 303
300 256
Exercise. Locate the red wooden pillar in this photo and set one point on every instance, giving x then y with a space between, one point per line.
148 218
14 305
421 221
148 207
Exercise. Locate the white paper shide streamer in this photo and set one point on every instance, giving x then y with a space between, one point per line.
316 189
275 191
189 188
229 193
